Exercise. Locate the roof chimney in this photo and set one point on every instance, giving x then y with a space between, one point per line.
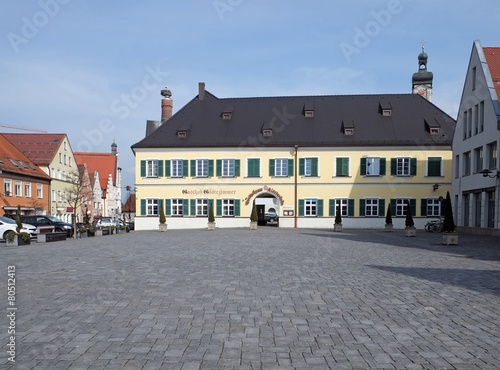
201 93
166 104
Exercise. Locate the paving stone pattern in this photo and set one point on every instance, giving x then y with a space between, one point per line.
265 299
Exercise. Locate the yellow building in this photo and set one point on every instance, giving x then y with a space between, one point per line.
300 157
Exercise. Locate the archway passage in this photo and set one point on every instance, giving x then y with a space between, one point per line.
268 209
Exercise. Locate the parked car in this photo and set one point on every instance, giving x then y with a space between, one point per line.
49 221
104 222
130 224
270 216
8 224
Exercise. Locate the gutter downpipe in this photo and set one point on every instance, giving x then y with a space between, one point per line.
295 200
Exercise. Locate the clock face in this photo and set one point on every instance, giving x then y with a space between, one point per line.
422 92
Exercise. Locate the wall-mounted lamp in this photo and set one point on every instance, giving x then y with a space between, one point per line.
435 187
486 173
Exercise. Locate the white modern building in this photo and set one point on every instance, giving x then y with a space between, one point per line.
476 176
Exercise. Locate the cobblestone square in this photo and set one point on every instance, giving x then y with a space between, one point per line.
266 299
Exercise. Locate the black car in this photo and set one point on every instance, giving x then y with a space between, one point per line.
49 221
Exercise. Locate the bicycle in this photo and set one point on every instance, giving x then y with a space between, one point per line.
434 226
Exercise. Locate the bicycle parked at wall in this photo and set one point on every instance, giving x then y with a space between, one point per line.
434 226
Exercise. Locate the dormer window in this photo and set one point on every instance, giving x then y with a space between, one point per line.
309 113
227 113
182 134
267 133
385 108
434 131
348 131
387 112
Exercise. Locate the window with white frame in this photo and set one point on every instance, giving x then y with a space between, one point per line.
372 166
401 204
228 167
343 204
311 166
342 166
403 167
467 163
18 188
281 167
492 155
177 206
60 158
478 159
27 189
433 207
7 188
371 207
152 207
201 207
310 207
176 167
152 168
227 207
39 191
54 195
202 168
59 195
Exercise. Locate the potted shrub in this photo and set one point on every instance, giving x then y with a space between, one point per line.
83 231
388 219
91 231
211 218
337 226
163 220
450 236
18 237
410 229
254 217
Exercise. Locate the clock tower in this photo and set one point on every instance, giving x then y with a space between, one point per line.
422 80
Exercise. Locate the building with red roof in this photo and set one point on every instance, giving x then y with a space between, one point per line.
23 183
105 177
53 154
476 177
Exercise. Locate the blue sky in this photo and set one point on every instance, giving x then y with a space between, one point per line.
94 69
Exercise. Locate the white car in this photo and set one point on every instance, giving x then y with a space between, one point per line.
8 224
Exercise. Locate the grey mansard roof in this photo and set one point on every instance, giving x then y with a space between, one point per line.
202 123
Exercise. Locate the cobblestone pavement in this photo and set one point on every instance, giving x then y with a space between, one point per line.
265 299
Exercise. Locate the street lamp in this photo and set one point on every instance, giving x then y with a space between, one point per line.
486 173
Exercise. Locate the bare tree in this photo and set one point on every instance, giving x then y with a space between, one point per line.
79 191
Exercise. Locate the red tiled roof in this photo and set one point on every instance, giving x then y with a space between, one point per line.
22 165
40 148
104 163
493 59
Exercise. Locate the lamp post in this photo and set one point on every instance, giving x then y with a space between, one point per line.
486 173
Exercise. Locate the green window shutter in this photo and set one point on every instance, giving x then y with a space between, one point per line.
160 168
382 166
185 207
434 166
193 207
167 168
423 207
143 206
363 166
413 166
342 167
290 167
393 207
394 165
362 204
218 167
319 208
237 207
210 168
253 167
185 168
413 205
350 207
219 207
331 207
143 168
193 167
237 168
381 207
302 166
271 167
314 166
168 207
301 207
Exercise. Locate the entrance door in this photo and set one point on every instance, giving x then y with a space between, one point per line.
261 211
